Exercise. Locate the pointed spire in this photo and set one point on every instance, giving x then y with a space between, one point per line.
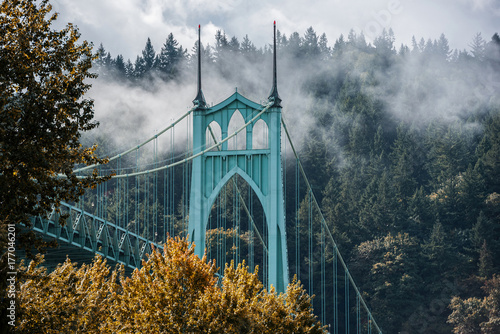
199 100
274 96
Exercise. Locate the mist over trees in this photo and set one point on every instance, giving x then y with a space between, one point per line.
401 144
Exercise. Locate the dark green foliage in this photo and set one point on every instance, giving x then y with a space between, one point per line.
391 266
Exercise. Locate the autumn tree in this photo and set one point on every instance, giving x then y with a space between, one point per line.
177 292
161 296
70 299
174 292
242 305
43 79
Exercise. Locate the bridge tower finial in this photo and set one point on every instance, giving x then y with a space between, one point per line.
199 100
274 96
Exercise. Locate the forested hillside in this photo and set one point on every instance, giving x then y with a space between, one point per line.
402 146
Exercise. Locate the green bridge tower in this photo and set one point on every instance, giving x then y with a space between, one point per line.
259 167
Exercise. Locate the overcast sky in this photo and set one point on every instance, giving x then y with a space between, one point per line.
124 25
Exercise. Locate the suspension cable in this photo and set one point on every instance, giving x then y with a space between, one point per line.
323 221
141 144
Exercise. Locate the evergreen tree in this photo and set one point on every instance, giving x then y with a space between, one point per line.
234 46
324 49
489 151
405 160
129 69
119 66
310 45
443 48
101 55
294 45
145 65
390 268
485 261
492 51
139 68
339 46
170 58
478 46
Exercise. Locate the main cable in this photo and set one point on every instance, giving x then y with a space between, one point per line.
141 144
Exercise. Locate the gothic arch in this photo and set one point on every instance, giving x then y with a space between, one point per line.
222 183
238 142
213 130
260 135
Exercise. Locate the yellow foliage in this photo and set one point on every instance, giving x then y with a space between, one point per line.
174 292
69 299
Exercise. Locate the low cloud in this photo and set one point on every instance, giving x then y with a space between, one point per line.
124 26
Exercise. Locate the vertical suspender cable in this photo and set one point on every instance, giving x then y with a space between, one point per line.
155 193
251 245
311 255
127 221
233 200
136 213
117 194
335 291
297 219
323 278
224 225
346 294
172 185
164 236
358 314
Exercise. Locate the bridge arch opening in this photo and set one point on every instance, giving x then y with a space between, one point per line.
260 135
238 142
213 135
237 229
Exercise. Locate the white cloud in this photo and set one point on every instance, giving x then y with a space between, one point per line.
124 25
486 5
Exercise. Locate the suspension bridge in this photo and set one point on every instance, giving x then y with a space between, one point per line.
235 187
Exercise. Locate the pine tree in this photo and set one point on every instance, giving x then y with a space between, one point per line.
488 151
324 49
234 46
478 46
129 69
119 67
170 58
310 44
485 261
139 68
443 48
148 60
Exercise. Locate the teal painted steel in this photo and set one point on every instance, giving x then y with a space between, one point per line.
96 235
260 168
